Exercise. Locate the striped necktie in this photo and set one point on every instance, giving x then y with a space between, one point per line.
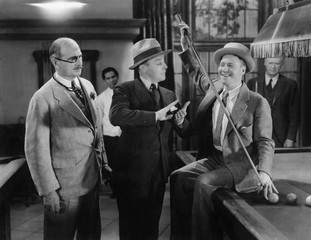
78 91
217 132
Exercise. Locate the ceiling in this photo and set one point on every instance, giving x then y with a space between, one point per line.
95 9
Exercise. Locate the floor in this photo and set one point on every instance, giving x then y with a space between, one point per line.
27 222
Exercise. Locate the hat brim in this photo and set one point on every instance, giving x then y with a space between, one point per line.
149 57
234 51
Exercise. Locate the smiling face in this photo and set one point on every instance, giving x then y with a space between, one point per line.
231 70
154 69
69 51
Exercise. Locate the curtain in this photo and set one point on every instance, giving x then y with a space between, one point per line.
159 26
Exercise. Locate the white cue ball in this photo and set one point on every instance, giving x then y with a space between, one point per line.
308 201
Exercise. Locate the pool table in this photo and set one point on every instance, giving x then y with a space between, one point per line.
12 172
250 216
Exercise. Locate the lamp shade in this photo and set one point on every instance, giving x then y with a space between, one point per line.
286 33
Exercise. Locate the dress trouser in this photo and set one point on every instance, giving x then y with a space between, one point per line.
111 144
140 208
81 216
191 187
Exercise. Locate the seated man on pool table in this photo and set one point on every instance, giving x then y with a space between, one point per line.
223 163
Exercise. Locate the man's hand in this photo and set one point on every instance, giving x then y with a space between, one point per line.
183 27
107 173
161 115
181 114
268 186
288 143
51 202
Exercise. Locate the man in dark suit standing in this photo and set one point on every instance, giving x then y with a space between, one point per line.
65 149
282 95
141 165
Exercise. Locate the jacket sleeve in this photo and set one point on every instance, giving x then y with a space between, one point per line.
123 112
262 136
193 69
37 146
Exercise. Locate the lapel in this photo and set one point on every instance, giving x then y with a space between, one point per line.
279 88
208 99
260 85
143 95
90 102
239 107
67 104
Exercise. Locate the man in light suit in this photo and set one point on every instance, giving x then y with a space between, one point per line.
64 147
221 160
282 95
141 164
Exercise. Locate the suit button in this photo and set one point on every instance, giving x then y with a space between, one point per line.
89 131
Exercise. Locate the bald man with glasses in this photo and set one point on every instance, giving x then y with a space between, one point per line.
64 147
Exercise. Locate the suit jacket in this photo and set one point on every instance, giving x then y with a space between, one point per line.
64 150
251 117
143 142
284 108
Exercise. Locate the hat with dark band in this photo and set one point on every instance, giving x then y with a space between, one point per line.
237 49
146 49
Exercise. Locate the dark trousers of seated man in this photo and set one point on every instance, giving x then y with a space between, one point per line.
191 187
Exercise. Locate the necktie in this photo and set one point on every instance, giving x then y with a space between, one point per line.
269 86
155 95
217 132
78 91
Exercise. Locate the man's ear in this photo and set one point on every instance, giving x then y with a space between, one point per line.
53 60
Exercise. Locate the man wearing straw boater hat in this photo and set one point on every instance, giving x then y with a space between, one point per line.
221 161
141 167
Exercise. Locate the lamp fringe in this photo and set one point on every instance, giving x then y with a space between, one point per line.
297 48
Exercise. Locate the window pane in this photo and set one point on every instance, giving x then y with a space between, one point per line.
222 19
251 23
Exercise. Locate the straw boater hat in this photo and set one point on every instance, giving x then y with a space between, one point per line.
146 49
239 50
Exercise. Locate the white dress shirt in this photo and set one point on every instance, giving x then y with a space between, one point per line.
274 80
104 102
66 82
233 94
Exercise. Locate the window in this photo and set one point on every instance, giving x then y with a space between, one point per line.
225 19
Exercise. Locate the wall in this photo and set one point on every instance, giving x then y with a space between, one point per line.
18 70
19 78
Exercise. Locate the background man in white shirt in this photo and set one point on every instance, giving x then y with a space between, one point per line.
111 133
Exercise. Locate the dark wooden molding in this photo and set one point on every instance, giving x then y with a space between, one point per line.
127 29
42 57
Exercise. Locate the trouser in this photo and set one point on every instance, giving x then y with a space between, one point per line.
111 144
191 188
140 208
81 217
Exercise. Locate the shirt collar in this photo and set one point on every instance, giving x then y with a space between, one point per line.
234 92
274 79
66 82
148 83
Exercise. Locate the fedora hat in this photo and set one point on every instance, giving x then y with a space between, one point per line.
146 49
237 49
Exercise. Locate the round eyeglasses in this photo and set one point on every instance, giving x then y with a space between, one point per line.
71 59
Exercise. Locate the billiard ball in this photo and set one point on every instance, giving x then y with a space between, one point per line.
308 201
291 198
274 198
